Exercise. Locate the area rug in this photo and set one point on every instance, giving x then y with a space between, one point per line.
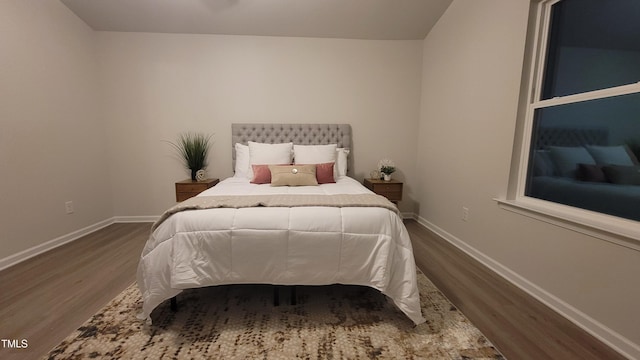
241 322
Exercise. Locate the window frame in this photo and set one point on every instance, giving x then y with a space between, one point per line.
590 222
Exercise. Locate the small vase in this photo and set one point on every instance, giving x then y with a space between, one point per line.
387 177
193 174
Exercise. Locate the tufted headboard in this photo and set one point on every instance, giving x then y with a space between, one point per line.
559 136
300 134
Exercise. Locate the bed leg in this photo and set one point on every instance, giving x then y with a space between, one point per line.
174 304
276 295
293 295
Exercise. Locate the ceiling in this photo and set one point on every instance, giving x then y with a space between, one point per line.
349 19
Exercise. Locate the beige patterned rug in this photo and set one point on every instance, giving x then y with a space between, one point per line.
240 322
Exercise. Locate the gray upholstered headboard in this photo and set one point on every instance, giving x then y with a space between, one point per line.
300 134
559 136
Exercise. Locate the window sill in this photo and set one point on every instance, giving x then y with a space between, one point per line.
612 229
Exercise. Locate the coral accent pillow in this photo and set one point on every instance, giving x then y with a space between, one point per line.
589 172
324 173
624 175
261 174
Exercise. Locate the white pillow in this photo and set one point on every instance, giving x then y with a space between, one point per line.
567 159
242 161
341 162
314 154
270 154
610 155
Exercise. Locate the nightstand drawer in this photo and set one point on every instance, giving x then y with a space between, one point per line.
392 190
387 188
193 188
182 196
391 195
189 188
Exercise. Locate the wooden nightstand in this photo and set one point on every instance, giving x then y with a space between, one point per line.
190 188
391 189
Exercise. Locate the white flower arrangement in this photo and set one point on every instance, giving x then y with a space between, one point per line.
386 166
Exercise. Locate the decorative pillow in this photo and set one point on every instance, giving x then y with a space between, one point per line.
588 172
624 175
261 174
341 162
293 175
264 154
242 161
614 155
314 154
542 164
566 159
324 173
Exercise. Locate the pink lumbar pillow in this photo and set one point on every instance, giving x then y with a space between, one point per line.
261 174
324 173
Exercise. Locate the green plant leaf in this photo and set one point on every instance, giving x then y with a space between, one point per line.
193 148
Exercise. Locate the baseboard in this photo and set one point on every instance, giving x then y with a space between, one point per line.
614 340
408 215
136 219
52 244
64 239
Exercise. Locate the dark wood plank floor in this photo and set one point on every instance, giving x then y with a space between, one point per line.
45 298
520 326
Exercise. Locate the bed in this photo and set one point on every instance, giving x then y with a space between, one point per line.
337 232
613 199
579 167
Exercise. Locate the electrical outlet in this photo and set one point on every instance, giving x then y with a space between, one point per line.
69 207
465 213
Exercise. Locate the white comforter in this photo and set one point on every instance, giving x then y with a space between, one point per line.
286 246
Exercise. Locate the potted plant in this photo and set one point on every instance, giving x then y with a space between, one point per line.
386 167
193 149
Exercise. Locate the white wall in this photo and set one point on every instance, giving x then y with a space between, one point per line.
52 140
472 64
158 85
144 88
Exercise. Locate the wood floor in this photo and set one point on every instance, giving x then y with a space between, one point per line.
45 298
520 326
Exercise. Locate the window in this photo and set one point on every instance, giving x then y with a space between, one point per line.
582 129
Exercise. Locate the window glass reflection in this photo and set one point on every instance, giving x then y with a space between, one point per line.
586 155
